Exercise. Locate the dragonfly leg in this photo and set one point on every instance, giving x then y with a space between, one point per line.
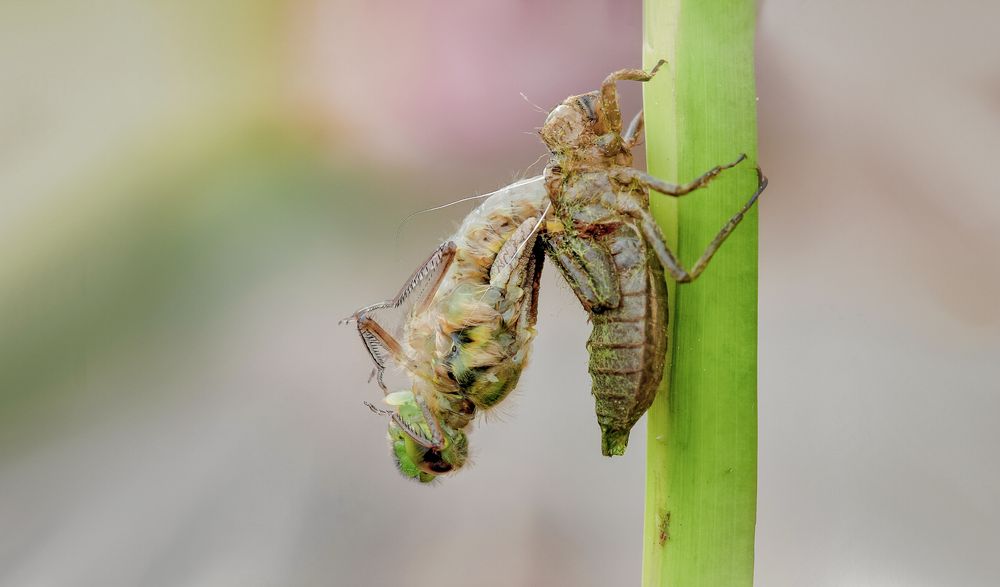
671 264
628 174
423 284
631 136
609 93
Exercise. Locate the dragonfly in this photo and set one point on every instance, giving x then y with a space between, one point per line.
460 330
465 319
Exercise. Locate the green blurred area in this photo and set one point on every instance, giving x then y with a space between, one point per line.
183 245
201 187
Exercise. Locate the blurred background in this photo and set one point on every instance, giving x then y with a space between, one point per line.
192 194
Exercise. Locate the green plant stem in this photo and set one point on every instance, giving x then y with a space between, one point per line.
701 479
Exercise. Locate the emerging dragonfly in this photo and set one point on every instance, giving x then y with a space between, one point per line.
460 329
467 316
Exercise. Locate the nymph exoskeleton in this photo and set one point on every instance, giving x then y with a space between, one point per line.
464 323
608 247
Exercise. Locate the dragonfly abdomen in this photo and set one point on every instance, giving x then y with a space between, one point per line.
628 343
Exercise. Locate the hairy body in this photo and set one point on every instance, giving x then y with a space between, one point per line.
468 318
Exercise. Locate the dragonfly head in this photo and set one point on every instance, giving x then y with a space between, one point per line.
578 129
572 124
422 446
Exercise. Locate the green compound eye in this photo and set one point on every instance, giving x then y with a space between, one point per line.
409 439
406 453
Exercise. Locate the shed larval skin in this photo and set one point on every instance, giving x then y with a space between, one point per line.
612 253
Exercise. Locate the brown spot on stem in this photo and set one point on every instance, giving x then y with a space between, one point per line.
664 527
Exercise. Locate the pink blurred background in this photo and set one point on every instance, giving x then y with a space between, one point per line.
192 194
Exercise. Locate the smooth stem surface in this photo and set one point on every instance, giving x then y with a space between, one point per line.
701 480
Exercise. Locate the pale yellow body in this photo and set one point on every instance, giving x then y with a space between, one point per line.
471 342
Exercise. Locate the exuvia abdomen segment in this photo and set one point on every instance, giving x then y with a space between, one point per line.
628 343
